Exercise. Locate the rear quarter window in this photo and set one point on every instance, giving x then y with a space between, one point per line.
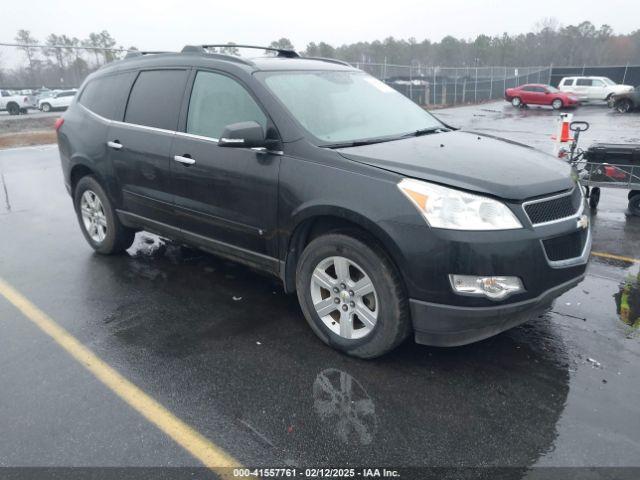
567 82
107 96
156 98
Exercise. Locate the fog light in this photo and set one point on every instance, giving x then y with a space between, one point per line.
495 288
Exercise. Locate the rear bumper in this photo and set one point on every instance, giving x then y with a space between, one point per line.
449 325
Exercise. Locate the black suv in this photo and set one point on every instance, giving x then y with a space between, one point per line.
386 221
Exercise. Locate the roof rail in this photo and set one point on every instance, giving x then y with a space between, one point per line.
282 52
202 50
138 53
329 60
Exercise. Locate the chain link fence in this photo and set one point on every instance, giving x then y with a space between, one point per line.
64 67
428 85
53 67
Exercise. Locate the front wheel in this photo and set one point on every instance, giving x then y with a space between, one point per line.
556 104
98 221
516 102
45 107
352 295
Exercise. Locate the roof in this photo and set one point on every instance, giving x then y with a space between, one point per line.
202 55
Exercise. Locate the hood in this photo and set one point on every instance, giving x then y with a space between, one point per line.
469 161
621 88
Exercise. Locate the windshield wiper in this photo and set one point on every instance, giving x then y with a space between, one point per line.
358 143
426 131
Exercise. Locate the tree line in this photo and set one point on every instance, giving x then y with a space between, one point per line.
65 61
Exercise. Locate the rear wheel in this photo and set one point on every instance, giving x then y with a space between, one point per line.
97 218
352 295
516 102
557 104
13 109
634 204
623 106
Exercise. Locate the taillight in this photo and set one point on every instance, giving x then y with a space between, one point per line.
59 123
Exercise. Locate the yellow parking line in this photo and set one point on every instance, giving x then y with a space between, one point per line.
615 257
197 445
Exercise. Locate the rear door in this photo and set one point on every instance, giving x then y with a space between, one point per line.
140 145
583 88
226 197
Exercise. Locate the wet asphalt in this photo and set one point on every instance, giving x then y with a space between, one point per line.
224 349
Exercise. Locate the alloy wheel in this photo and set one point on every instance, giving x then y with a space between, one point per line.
93 217
344 297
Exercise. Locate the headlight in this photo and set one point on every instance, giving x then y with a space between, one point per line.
444 207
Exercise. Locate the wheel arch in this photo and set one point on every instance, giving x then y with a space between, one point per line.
315 221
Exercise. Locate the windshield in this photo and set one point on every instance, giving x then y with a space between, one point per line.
341 107
608 81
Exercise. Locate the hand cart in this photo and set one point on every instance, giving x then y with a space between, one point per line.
606 166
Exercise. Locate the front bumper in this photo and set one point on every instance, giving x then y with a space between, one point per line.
449 325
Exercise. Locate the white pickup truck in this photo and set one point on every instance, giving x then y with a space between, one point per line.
15 104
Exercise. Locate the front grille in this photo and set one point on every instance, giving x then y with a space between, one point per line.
541 211
566 246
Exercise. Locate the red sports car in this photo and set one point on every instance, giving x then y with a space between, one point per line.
539 94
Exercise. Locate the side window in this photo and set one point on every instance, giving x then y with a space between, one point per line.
597 83
567 82
96 96
527 88
217 101
4 93
584 82
155 98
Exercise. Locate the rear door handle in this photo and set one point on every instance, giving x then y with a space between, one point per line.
116 145
184 160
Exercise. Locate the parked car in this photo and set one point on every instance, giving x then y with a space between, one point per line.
592 88
626 102
539 94
15 103
386 221
57 101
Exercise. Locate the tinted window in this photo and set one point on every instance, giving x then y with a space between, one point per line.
528 88
584 82
155 98
67 94
107 96
217 101
567 82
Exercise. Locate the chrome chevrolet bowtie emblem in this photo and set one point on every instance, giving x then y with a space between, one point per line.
583 222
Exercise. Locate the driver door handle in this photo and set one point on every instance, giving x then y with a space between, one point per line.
184 160
116 145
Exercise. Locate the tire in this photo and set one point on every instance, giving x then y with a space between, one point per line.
557 104
390 313
13 109
516 102
634 204
623 106
45 107
632 193
594 198
113 237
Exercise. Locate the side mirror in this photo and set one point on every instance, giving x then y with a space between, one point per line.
242 135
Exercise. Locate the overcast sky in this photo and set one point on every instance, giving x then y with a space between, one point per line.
160 25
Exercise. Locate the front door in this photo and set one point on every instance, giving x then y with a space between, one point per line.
225 196
140 146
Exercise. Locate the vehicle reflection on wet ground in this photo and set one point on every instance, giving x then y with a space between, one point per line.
228 352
